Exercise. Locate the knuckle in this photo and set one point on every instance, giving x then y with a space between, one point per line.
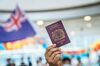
51 50
57 56
55 53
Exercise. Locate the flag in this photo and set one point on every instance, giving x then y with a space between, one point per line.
17 27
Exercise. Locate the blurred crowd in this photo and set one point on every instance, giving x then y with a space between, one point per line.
72 60
11 62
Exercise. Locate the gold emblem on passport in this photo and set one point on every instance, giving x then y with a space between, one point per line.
58 35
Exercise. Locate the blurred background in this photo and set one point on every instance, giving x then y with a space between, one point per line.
81 19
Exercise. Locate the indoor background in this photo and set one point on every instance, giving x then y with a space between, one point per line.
81 19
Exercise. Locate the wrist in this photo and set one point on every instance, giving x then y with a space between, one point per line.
52 65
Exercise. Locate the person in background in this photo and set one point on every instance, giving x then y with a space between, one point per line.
9 62
29 62
39 62
66 61
13 63
52 56
22 62
79 62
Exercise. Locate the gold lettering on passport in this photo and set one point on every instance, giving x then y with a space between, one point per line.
61 41
54 26
58 35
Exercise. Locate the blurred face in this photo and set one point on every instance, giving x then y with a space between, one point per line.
66 63
8 60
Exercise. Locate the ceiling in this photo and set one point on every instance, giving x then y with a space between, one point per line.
43 4
50 9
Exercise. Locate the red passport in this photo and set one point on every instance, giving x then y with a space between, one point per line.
58 34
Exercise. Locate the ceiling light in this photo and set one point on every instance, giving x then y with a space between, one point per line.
40 22
87 18
72 33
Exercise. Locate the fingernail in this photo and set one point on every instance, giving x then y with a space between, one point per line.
54 45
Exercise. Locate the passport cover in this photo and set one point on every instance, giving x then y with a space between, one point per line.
58 34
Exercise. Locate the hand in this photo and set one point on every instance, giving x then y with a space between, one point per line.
52 56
